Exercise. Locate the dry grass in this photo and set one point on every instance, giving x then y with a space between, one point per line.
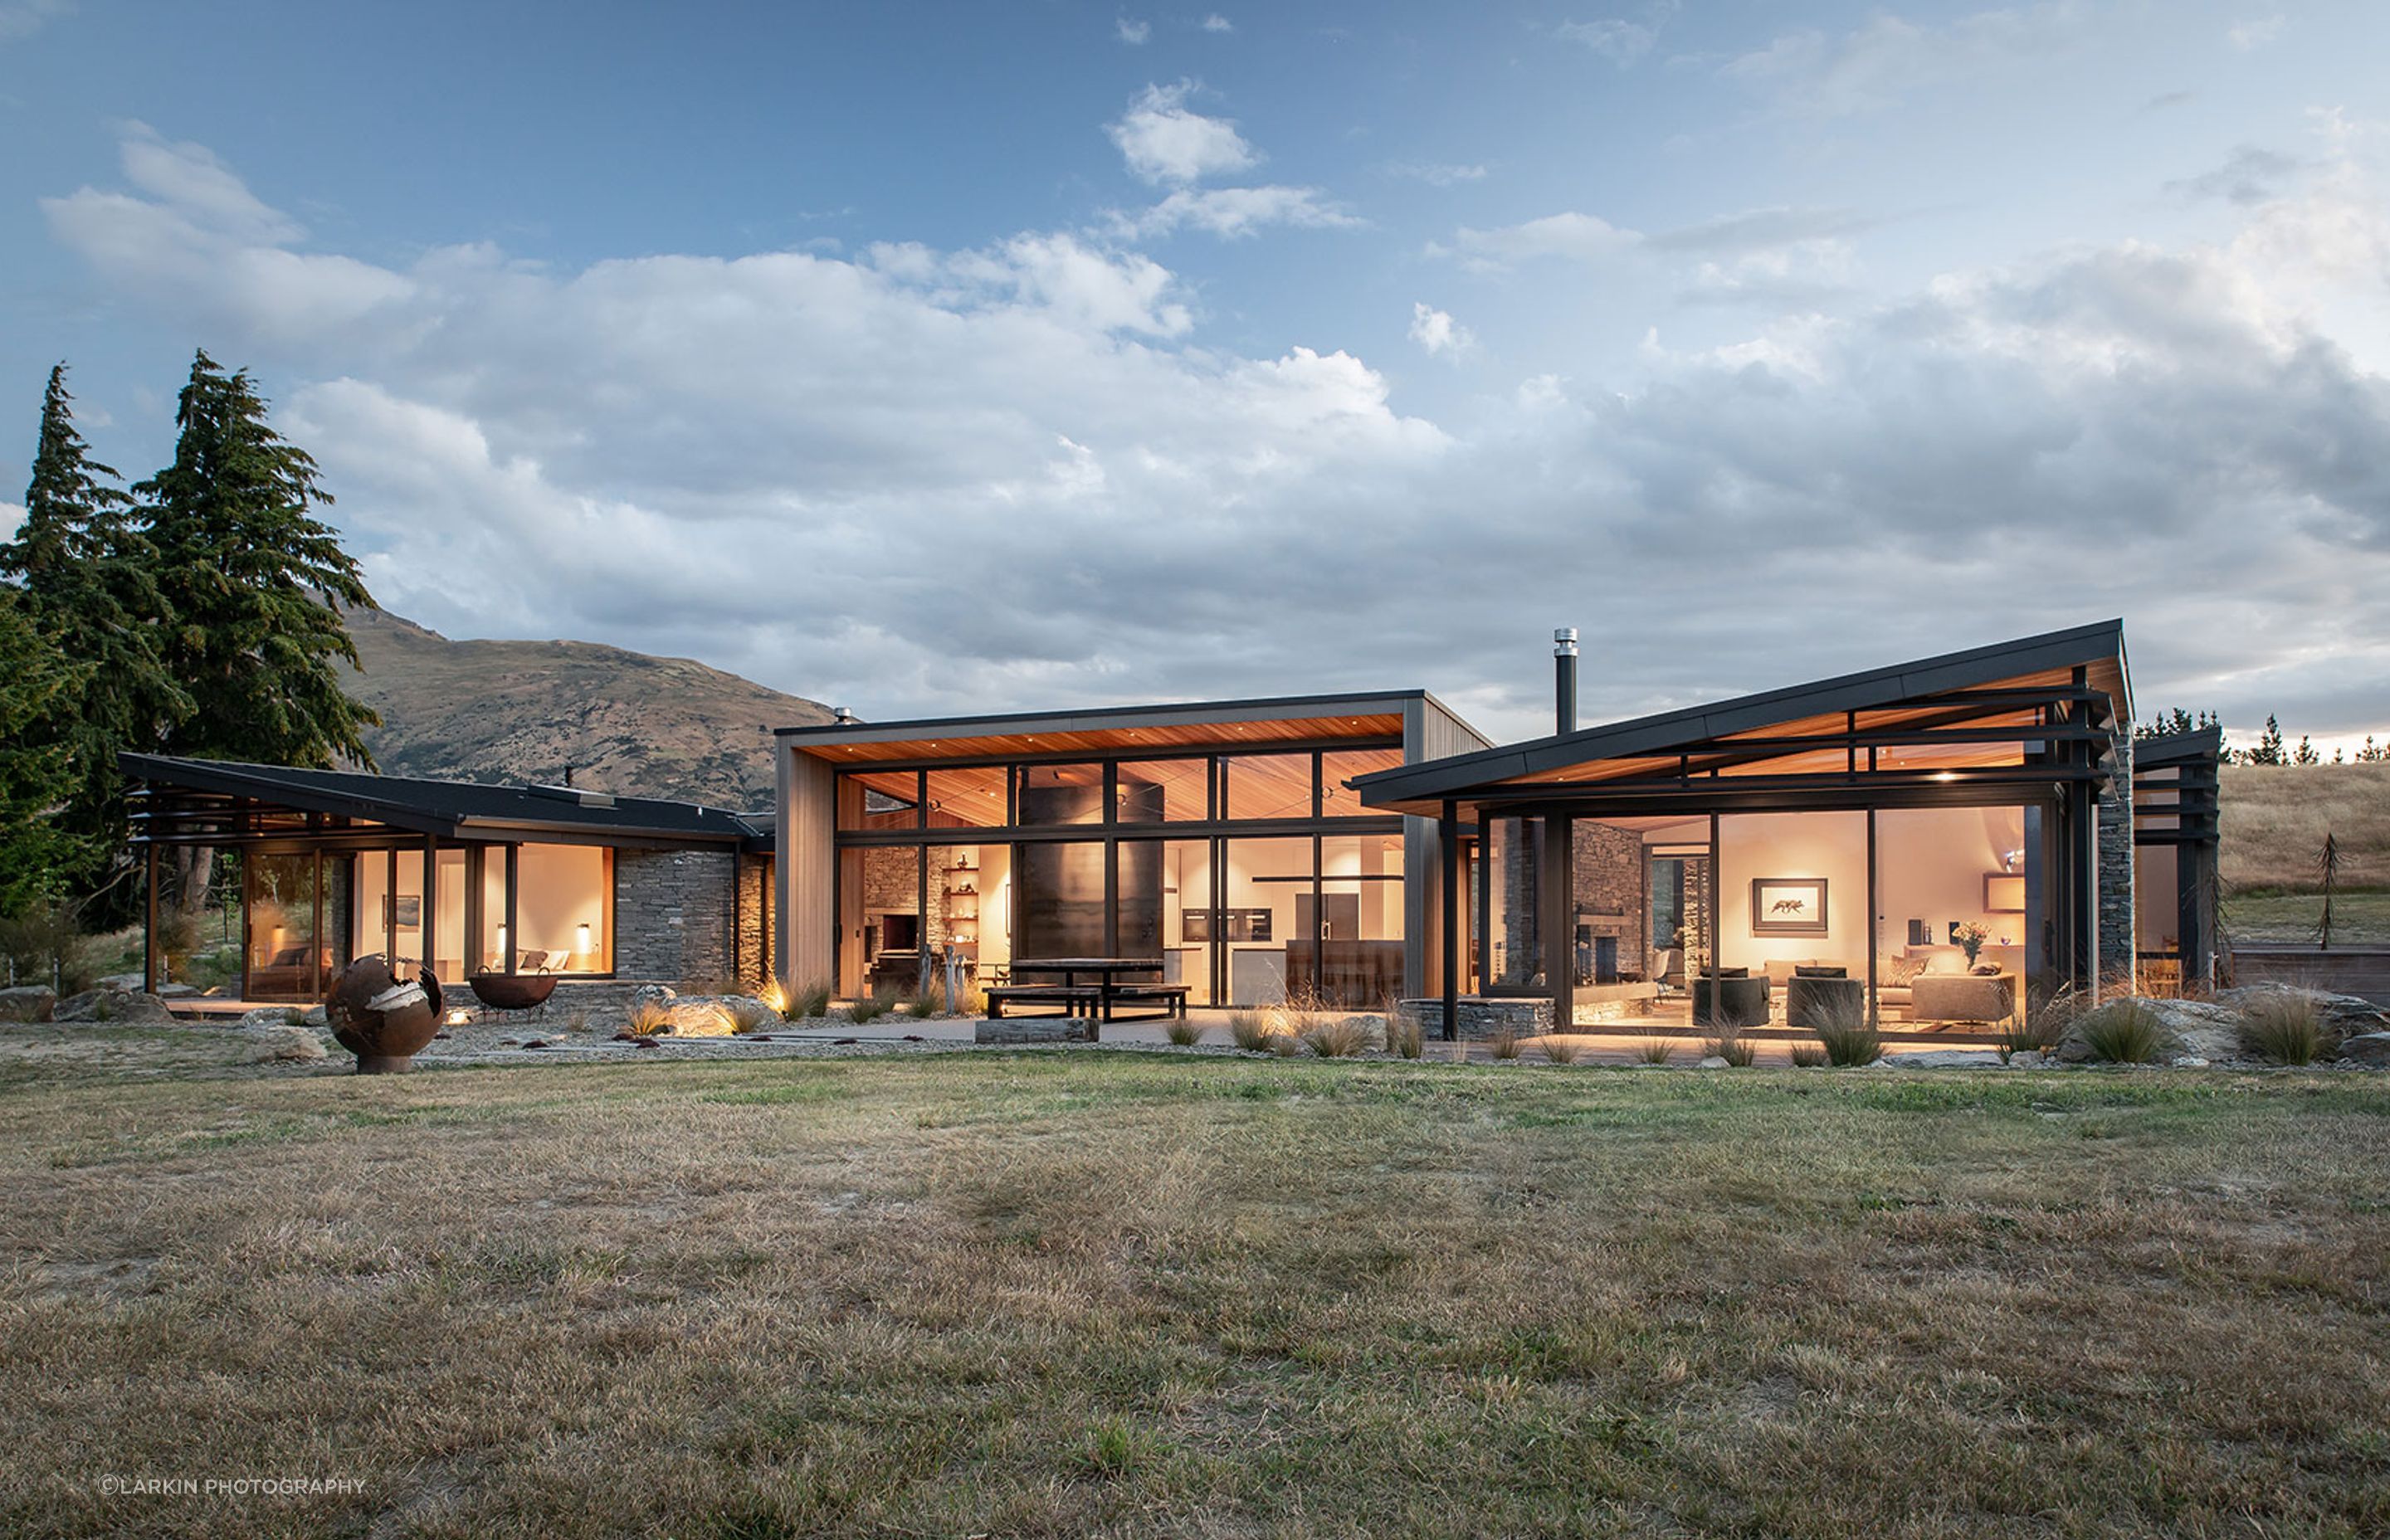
1406 1035
1559 1049
1731 1045
1339 1036
2286 1029
1503 1041
1111 1293
2273 819
1655 1050
1182 1034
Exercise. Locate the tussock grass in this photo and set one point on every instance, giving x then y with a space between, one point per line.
1503 1042
649 1015
1655 1050
1405 1036
1809 1056
1560 1049
1107 1293
1731 1045
2124 1032
873 1007
1182 1034
2285 1028
1338 1037
2272 820
1250 1030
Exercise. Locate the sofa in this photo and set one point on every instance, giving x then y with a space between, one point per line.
1743 999
1817 997
1962 997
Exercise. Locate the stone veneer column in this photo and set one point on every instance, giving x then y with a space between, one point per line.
2118 940
673 915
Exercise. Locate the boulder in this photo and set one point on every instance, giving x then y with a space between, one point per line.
1944 1059
2343 1015
286 1044
701 1015
113 1005
1715 1061
2202 1029
2369 1048
1031 1029
2027 1059
272 1016
28 1003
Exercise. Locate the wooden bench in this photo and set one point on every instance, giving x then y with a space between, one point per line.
1066 999
1172 998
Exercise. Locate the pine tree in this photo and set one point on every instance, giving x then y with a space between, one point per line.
36 853
2269 745
253 582
2306 754
90 592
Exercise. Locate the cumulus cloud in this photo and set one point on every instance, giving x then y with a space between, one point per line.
1438 334
1571 236
24 18
1436 173
1215 22
1890 56
1574 236
1134 33
1016 475
2250 174
1163 141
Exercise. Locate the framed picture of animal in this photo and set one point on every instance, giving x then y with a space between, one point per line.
1788 905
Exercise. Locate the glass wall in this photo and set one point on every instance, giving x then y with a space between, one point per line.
1061 794
1265 917
1173 790
1358 926
564 902
1269 785
1512 865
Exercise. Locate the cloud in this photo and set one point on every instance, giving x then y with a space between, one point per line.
1435 174
1022 475
1235 213
2250 174
1163 141
1888 57
1574 237
11 515
1134 33
2247 36
1621 41
1758 228
1215 22
24 18
2165 100
1438 334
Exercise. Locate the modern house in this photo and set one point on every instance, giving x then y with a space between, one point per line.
604 892
1928 841
1931 843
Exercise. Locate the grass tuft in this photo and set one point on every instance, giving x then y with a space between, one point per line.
2127 1031
1406 1034
1848 1036
1655 1050
1809 1056
871 1007
1250 1030
1182 1034
1503 1042
649 1017
806 1002
1731 1045
1339 1036
1560 1049
2286 1028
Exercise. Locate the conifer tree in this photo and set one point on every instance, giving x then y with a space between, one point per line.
89 590
2306 754
253 583
35 850
2269 745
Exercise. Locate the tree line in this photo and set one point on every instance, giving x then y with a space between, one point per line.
196 612
2268 750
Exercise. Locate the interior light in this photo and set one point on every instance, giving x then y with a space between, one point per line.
582 941
1946 776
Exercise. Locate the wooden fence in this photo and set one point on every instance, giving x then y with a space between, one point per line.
2361 970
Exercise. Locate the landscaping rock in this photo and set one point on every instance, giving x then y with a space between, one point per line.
288 1044
113 1005
271 1016
28 1003
2028 1058
1033 1028
130 983
710 1015
2371 1047
2202 1029
2343 1015
1944 1059
1713 1062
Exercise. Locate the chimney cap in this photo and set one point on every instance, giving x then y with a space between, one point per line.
1564 639
840 716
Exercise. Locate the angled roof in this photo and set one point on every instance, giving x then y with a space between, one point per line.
1114 730
451 809
2044 661
2204 743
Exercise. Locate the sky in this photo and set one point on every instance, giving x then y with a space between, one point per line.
927 359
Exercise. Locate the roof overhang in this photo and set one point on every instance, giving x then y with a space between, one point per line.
1972 727
1376 715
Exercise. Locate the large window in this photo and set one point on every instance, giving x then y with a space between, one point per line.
1061 794
564 902
1174 790
1269 785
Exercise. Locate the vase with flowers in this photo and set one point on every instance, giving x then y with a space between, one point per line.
1971 938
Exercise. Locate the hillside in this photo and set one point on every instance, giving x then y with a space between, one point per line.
2274 817
522 711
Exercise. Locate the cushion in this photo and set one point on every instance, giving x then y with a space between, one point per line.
1821 971
1985 970
1901 972
1732 972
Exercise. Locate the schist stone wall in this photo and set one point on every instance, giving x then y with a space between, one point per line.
674 914
755 963
1608 879
2118 940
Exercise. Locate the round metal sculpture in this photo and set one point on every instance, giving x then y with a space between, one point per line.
512 990
382 1018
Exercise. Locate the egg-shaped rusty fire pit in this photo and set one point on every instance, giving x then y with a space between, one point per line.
382 1018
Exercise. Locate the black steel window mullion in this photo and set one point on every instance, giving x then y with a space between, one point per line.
1318 902
514 940
1319 784
1219 948
316 943
390 910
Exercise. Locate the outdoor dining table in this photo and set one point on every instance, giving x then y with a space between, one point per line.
1106 971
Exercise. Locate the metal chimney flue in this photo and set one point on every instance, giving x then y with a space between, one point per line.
1564 679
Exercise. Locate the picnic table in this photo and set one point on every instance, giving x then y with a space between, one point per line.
1105 994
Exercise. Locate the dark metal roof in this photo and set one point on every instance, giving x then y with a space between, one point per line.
2205 743
1096 718
452 809
1668 731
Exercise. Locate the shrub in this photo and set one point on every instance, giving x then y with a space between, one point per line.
46 945
649 1015
2042 1024
2125 1033
1809 1056
1338 1037
1560 1050
871 1007
809 1001
2285 1028
1285 1044
1655 1050
1406 1035
1182 1034
1849 1037
1250 1030
1732 1047
1503 1042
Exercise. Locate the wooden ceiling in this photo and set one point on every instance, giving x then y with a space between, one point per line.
1106 741
1260 785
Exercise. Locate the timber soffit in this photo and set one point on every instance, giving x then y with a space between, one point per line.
1669 732
822 739
457 809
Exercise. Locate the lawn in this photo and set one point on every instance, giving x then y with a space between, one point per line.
2358 919
1095 1292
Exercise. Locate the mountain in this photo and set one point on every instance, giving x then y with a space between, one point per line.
517 711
